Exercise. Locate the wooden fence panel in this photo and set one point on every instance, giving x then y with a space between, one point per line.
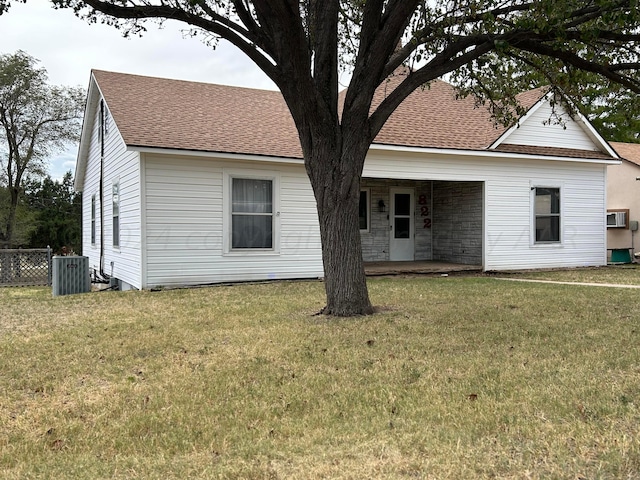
24 267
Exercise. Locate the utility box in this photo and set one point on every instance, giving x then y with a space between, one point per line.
620 255
70 275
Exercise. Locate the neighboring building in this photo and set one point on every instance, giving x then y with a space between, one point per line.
188 183
623 200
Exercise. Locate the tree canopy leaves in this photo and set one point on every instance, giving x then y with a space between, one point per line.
556 38
48 214
58 213
36 120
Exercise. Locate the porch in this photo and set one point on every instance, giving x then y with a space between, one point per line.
423 225
416 267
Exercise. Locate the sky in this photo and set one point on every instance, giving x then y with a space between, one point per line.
69 48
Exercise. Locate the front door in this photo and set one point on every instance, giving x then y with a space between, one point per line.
401 218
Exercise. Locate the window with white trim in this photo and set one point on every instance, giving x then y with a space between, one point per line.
363 210
93 219
116 214
252 213
547 214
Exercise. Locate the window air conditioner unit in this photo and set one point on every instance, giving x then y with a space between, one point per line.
617 219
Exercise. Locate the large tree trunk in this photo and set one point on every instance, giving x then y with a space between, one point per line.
345 281
11 218
336 185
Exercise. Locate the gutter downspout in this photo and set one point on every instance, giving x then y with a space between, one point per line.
101 135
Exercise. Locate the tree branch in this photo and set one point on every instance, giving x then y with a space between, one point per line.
441 64
571 58
381 35
236 34
323 33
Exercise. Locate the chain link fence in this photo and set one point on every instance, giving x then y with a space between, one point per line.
25 267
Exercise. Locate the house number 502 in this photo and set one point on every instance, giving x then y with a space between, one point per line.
424 211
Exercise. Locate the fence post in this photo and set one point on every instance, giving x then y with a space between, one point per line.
4 267
18 264
49 266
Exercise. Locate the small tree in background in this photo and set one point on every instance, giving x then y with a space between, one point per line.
24 218
36 120
57 210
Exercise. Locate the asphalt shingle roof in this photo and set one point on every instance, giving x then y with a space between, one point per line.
174 114
628 151
433 117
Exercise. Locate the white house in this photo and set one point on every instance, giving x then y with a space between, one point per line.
189 183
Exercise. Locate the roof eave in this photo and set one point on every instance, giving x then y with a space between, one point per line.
374 147
85 136
491 153
214 154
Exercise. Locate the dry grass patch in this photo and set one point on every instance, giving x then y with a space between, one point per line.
456 378
615 274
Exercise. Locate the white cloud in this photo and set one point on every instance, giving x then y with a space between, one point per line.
69 48
62 163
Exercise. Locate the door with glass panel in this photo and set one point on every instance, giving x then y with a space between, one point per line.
402 227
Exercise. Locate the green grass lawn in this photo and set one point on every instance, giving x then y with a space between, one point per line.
455 378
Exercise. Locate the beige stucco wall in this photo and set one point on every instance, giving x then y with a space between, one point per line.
623 191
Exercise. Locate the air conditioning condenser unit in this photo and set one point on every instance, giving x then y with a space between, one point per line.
70 275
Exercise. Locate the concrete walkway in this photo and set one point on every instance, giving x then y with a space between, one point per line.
582 284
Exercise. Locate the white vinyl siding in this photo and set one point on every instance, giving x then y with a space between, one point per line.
122 166
90 243
542 130
507 203
185 214
187 223
125 167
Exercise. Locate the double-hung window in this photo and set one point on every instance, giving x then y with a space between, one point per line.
93 219
252 213
547 214
116 214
